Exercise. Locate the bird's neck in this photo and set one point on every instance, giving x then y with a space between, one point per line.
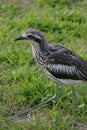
40 53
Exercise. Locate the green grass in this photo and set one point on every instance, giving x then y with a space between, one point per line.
22 82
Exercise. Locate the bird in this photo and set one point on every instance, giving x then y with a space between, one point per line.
62 65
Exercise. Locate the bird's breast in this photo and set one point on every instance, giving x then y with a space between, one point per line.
38 56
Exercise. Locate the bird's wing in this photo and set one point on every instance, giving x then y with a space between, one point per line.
65 64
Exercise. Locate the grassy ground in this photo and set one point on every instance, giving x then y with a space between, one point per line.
22 82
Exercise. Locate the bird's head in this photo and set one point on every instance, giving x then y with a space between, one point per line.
35 37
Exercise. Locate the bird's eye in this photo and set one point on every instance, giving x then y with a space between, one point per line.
30 37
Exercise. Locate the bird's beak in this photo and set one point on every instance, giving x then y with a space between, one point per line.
20 38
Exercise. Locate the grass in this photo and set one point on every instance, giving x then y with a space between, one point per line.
22 82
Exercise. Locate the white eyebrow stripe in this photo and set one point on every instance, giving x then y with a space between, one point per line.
24 35
32 35
37 37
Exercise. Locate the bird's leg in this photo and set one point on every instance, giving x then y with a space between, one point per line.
50 99
24 114
73 104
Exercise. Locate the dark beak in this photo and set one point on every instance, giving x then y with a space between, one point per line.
20 38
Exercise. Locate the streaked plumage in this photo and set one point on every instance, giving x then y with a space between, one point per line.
62 65
57 60
65 64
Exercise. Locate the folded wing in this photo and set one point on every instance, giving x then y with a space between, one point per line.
65 64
